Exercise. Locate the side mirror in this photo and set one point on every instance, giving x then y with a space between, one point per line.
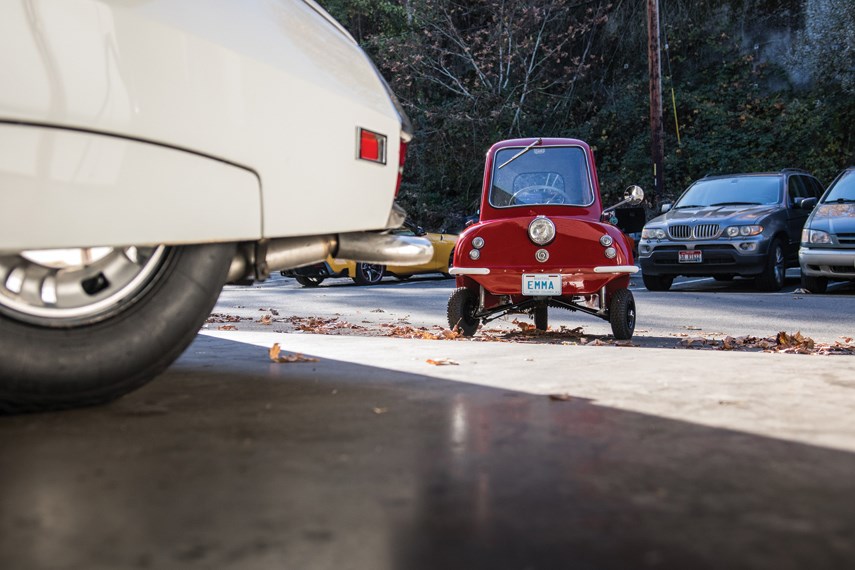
633 196
666 207
806 203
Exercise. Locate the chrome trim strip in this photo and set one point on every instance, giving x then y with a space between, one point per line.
616 269
469 271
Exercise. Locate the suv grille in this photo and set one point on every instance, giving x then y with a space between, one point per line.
702 231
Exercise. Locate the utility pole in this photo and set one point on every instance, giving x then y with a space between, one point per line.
654 67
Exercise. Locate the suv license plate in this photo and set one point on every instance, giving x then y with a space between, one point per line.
541 284
690 256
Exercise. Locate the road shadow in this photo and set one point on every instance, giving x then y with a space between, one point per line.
230 461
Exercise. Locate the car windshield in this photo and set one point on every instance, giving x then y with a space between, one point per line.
736 190
540 176
843 189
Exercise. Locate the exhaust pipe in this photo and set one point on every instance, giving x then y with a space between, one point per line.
256 260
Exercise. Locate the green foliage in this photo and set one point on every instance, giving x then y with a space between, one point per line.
471 73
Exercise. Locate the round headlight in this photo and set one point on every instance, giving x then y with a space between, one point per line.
541 255
610 252
541 230
474 254
478 242
606 240
732 231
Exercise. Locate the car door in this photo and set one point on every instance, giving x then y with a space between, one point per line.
797 187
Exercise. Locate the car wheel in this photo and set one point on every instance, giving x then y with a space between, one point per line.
309 281
657 282
450 265
461 310
772 277
814 284
86 331
541 317
622 314
368 273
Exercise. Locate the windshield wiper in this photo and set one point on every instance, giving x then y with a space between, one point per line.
520 153
680 207
736 204
841 201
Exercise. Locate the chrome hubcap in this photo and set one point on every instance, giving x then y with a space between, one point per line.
58 286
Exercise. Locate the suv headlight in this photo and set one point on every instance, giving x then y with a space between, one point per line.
541 230
743 231
653 233
815 236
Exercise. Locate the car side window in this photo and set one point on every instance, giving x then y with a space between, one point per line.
816 188
796 189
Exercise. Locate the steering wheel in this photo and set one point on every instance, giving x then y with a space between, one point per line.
546 195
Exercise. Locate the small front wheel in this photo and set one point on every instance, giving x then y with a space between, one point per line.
622 314
309 281
368 273
461 311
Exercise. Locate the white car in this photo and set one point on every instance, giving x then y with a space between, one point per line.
152 151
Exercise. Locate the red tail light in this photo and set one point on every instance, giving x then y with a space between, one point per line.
372 146
401 159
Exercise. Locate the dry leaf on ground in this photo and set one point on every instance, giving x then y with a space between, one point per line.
275 356
442 362
560 397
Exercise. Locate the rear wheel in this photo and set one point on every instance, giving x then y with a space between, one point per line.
461 310
622 314
450 264
772 277
368 273
657 282
814 284
541 317
85 331
307 281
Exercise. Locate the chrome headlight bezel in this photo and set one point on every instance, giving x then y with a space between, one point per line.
541 230
653 233
743 231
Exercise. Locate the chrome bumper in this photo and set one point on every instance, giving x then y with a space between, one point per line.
830 262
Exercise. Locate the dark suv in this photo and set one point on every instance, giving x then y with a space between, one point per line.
723 226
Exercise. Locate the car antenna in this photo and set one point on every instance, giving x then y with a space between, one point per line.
520 153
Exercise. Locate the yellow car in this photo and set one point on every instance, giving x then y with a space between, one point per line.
370 273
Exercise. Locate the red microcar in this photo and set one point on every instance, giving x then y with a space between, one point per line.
542 241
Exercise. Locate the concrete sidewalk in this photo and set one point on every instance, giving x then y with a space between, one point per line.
803 398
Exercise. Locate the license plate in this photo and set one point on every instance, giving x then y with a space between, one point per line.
690 256
540 284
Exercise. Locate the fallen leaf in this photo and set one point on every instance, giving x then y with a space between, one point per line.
265 320
442 362
275 356
560 397
379 411
227 328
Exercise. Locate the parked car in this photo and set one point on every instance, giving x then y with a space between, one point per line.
745 225
371 273
541 241
827 250
153 151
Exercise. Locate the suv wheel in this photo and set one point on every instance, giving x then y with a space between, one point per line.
772 278
657 282
814 284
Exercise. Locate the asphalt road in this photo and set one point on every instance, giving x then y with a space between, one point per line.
692 308
373 452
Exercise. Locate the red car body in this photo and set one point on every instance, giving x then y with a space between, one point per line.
593 258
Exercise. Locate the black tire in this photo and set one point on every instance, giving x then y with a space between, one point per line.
816 285
450 265
309 281
368 273
541 317
657 282
461 308
55 363
775 268
622 314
